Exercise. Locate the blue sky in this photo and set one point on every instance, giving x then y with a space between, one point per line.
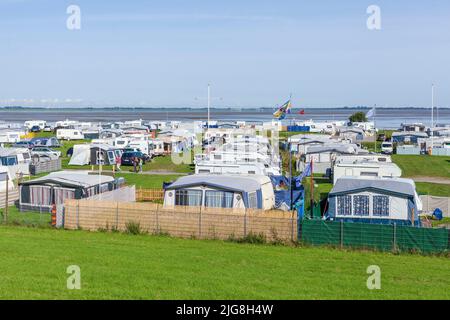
253 52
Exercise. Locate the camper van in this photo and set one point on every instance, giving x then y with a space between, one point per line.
387 147
69 134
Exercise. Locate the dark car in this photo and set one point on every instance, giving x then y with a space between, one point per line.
35 129
381 137
24 144
128 156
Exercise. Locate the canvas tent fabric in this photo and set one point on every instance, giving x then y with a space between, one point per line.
342 148
352 199
234 183
81 155
352 184
70 179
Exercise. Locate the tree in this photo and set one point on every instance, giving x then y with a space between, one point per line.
358 117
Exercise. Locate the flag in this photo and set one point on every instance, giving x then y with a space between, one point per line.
306 173
280 114
301 112
371 113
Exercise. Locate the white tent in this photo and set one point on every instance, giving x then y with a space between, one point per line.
4 175
81 155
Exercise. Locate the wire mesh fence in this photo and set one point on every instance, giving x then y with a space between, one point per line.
381 237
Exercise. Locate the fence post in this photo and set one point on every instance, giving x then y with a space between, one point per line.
78 214
157 219
200 223
342 234
245 222
5 216
117 216
394 237
292 225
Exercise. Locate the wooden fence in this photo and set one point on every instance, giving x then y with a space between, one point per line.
13 196
186 222
149 194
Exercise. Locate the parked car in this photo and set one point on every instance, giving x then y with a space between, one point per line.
23 144
146 156
127 156
48 129
387 147
35 129
381 137
45 152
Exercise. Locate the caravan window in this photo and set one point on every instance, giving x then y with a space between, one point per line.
219 199
111 157
369 174
344 205
252 200
9 161
3 176
188 197
381 206
361 205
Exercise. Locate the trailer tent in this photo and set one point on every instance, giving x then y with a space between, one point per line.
42 193
375 200
230 191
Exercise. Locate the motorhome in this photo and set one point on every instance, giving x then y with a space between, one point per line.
69 134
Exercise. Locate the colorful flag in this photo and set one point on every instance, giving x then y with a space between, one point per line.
371 113
280 114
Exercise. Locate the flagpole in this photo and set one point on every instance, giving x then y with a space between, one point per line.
312 187
432 117
375 125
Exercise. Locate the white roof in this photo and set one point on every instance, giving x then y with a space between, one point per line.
391 185
71 178
243 183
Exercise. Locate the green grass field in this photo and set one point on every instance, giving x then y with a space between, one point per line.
429 166
147 181
119 266
433 189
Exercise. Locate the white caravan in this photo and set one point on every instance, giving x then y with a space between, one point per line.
367 169
69 134
5 176
31 123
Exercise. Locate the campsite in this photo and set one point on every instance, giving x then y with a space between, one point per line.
213 158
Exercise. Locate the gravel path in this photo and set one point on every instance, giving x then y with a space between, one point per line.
438 180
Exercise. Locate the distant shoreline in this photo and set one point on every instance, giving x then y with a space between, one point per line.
156 109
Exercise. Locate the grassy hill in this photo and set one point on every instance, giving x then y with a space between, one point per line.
120 266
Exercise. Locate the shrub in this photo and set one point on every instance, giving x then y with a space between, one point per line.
133 228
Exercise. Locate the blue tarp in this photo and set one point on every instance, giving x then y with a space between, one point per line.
283 194
298 128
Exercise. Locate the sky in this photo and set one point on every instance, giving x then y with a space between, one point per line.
254 53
